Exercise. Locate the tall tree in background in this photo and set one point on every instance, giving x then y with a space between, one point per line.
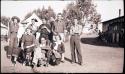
85 10
42 13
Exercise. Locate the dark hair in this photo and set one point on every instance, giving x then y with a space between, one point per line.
34 19
15 17
42 37
59 14
29 29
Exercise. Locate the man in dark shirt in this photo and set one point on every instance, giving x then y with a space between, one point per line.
28 43
43 30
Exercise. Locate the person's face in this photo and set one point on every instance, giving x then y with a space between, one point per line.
28 31
15 21
44 21
43 41
33 21
75 21
59 17
57 38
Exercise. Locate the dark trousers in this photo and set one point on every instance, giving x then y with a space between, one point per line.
75 44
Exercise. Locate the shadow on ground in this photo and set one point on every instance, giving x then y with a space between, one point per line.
97 42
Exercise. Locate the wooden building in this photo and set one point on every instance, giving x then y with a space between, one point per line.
114 31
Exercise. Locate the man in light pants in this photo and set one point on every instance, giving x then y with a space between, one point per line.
60 28
76 31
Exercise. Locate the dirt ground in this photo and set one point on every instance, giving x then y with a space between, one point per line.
96 59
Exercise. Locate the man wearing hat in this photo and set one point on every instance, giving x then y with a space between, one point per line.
13 40
75 32
33 26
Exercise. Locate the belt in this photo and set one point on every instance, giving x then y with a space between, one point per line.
13 32
75 34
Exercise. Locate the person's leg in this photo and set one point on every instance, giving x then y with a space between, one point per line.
78 49
35 60
48 56
72 47
15 50
11 43
63 55
62 37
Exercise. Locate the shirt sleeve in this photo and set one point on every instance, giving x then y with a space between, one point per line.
34 40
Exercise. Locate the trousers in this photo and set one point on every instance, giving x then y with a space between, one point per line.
75 44
13 45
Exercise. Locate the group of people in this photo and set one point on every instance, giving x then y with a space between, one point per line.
44 44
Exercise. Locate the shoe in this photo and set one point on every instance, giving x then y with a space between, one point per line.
8 57
80 64
72 62
14 62
62 61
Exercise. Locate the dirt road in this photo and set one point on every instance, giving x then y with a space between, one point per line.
96 59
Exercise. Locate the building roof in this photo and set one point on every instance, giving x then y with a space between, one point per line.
3 26
28 20
121 18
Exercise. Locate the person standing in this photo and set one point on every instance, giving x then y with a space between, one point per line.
75 32
33 26
43 30
60 28
52 27
13 40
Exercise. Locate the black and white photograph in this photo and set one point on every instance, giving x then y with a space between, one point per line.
62 36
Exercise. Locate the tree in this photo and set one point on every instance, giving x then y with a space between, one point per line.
5 20
83 9
42 13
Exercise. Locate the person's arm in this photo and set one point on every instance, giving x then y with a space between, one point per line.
37 35
80 29
22 43
55 26
71 30
47 29
9 29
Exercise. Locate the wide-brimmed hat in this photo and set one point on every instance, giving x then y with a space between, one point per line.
15 17
34 19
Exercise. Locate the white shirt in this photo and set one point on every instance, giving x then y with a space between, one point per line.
76 29
21 31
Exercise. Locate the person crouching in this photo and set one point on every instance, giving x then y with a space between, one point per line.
58 47
28 44
41 53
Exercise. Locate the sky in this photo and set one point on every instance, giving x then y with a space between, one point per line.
108 9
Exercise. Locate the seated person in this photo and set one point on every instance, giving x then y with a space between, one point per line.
58 47
28 44
42 52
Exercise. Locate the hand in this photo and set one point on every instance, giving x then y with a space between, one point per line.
22 48
27 46
8 40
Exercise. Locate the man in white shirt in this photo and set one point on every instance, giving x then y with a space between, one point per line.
76 31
